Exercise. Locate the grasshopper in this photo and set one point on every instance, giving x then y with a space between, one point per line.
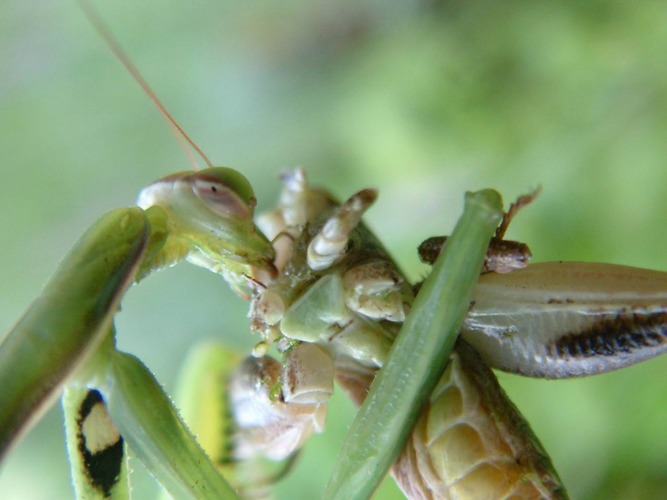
549 188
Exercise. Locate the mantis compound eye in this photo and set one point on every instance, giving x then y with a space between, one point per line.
221 199
225 191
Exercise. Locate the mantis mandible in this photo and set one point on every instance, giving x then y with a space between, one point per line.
575 213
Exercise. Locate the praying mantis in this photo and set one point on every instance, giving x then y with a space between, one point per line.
600 233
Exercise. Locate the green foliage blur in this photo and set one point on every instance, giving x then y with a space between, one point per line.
423 100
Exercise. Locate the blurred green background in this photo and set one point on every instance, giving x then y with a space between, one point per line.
423 100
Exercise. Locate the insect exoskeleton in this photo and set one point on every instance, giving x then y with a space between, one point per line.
338 299
337 286
275 406
569 319
341 313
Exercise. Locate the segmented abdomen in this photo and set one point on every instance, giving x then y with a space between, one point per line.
470 441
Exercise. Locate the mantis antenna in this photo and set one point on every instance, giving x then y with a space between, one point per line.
104 31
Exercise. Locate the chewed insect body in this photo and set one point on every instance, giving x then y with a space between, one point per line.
351 308
470 440
338 285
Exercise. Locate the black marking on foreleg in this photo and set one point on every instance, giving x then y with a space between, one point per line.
101 453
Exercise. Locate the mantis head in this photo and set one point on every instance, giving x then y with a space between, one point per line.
209 222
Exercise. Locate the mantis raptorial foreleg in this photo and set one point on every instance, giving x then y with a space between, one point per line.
69 321
67 337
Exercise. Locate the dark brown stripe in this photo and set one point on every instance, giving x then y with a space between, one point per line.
622 334
502 255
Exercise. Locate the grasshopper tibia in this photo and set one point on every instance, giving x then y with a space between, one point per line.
503 256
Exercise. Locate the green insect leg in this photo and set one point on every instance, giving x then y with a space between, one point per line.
97 451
